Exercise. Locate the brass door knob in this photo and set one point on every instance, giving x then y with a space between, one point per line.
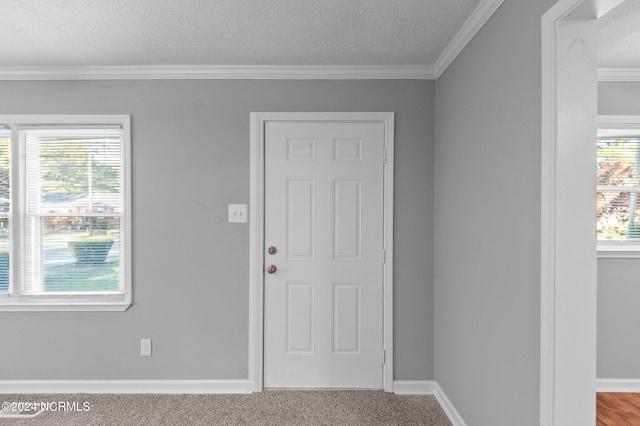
272 250
271 269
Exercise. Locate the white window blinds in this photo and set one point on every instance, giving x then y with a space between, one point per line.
618 183
72 211
5 202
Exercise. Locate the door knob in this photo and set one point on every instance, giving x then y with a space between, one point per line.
271 269
272 250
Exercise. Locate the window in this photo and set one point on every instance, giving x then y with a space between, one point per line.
618 186
65 212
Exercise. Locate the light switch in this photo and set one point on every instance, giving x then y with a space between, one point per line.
237 213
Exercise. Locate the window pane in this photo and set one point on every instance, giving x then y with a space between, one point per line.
4 260
80 254
618 161
618 215
73 171
4 208
73 207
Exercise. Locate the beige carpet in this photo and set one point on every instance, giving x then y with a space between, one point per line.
265 408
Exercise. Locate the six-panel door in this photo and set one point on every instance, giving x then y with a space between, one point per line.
324 217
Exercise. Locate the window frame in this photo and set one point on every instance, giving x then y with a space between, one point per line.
618 249
14 300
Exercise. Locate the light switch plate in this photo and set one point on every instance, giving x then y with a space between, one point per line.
238 213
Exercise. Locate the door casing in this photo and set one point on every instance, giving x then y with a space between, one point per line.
256 231
567 364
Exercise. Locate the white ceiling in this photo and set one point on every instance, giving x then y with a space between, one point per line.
619 37
46 33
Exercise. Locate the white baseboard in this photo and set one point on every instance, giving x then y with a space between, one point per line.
448 407
127 386
429 387
618 385
414 387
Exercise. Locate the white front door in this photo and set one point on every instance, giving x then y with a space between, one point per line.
324 218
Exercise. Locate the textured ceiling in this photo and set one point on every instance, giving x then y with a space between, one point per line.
619 37
227 32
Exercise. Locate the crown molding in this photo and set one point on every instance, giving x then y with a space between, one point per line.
618 74
472 25
220 72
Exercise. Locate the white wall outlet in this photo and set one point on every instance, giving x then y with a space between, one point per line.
238 213
145 347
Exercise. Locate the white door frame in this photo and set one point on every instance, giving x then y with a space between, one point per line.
256 232
557 319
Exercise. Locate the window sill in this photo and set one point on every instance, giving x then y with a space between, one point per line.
58 306
618 251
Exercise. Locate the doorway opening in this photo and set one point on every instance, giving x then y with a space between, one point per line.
568 240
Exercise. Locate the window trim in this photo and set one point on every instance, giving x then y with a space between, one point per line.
618 249
99 301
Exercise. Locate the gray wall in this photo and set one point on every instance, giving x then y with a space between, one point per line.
619 98
487 291
618 355
191 159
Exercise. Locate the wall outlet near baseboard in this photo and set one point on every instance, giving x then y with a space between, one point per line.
145 347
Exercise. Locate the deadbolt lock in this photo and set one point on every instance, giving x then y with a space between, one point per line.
272 250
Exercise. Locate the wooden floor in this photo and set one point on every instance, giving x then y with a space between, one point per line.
617 409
